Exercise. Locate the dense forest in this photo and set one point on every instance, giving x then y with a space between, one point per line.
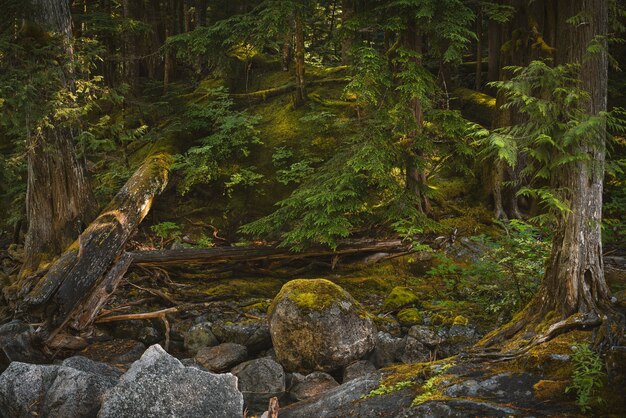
312 208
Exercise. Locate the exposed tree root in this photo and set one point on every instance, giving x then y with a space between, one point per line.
510 342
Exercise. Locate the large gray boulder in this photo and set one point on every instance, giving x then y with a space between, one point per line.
317 325
158 385
260 380
23 389
73 389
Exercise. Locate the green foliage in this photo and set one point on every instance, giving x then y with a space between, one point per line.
385 389
507 274
228 137
587 378
557 132
166 230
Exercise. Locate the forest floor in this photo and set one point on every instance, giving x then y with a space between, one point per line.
406 297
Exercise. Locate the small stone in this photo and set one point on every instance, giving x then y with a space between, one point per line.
388 349
255 335
200 336
17 344
222 357
259 380
425 335
149 335
415 351
312 385
76 393
358 369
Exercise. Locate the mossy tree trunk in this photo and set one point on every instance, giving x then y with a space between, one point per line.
574 280
347 11
519 46
415 178
59 197
574 292
300 96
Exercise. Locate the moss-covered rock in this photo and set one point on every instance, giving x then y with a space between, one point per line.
400 297
409 316
317 325
460 320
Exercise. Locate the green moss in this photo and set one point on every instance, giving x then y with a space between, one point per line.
409 316
259 307
400 297
460 320
264 287
315 295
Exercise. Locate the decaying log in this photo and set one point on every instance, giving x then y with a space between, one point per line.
72 279
188 256
475 106
106 287
263 95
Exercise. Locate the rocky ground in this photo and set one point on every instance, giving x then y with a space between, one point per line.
357 345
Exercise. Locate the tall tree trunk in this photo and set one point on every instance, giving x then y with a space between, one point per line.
574 292
300 96
58 197
574 280
416 180
347 11
479 53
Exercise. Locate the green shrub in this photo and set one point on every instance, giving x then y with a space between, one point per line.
587 378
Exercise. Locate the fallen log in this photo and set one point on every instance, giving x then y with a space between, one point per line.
74 276
263 95
474 105
186 256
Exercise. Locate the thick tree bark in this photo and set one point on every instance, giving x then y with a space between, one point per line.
76 273
347 11
574 292
479 52
59 197
574 280
300 96
415 179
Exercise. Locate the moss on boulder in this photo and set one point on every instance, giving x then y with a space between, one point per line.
317 325
400 297
409 316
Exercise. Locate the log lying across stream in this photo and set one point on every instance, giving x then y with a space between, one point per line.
232 254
